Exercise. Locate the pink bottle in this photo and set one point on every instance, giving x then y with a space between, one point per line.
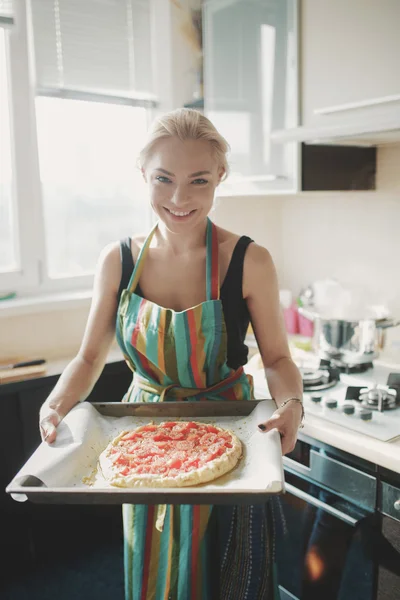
290 313
306 327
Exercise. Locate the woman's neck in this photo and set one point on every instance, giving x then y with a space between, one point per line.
181 243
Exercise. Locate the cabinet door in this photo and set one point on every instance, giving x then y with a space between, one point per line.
250 88
349 58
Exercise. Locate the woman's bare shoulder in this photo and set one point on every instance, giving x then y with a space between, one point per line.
259 272
256 255
137 242
109 269
227 240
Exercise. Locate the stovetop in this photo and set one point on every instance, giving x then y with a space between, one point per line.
352 400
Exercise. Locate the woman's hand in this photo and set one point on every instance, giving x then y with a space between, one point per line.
286 420
49 418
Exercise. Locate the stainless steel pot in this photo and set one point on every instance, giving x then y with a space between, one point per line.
350 342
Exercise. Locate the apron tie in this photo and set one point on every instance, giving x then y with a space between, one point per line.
180 393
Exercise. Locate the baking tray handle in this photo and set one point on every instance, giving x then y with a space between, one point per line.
26 481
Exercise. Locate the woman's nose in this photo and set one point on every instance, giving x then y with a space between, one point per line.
180 196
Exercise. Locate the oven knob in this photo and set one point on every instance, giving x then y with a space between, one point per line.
315 398
348 409
331 403
366 415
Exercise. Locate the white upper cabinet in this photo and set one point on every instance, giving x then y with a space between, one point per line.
350 53
250 89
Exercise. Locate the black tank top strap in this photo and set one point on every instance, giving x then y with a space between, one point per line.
234 275
127 264
237 317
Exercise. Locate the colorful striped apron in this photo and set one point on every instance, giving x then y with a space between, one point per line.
185 552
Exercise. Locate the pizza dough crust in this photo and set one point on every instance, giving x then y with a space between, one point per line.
208 472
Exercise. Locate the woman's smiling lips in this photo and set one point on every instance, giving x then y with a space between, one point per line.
179 214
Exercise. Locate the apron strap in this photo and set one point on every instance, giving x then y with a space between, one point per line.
137 271
212 262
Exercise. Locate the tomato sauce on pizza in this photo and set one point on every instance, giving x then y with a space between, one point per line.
172 453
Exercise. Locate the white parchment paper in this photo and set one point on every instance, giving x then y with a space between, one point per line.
71 461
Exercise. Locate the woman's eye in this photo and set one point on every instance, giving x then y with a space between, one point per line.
200 181
163 179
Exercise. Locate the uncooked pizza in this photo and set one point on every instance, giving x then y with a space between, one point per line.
170 454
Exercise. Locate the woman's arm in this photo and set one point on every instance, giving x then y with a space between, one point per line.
80 375
261 291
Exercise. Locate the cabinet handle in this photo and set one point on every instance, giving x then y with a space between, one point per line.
291 489
256 178
356 105
396 505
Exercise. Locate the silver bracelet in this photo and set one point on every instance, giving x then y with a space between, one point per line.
300 401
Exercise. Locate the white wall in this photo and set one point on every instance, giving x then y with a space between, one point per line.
55 334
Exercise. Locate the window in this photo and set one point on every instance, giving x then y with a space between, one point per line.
92 190
77 183
8 255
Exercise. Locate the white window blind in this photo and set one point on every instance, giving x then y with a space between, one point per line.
98 47
6 13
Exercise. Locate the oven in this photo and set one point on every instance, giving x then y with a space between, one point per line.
338 524
326 525
388 545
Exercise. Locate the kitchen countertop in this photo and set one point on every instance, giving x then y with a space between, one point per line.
384 454
53 369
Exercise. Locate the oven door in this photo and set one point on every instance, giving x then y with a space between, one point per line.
324 543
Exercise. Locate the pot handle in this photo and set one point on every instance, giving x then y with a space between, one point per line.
307 313
386 323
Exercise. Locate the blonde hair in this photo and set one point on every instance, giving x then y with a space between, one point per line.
186 124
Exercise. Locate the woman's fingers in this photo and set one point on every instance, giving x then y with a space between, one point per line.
48 432
272 423
49 419
288 437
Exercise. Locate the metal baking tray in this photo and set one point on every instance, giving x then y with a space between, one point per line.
30 487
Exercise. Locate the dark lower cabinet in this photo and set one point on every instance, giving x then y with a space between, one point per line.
389 560
82 545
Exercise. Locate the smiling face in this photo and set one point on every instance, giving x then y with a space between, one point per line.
182 178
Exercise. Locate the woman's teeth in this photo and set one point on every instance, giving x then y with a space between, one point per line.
179 214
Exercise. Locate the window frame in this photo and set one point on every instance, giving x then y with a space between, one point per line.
31 278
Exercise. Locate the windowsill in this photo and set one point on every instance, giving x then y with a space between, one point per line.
45 303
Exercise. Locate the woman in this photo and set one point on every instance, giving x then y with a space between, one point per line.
183 336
